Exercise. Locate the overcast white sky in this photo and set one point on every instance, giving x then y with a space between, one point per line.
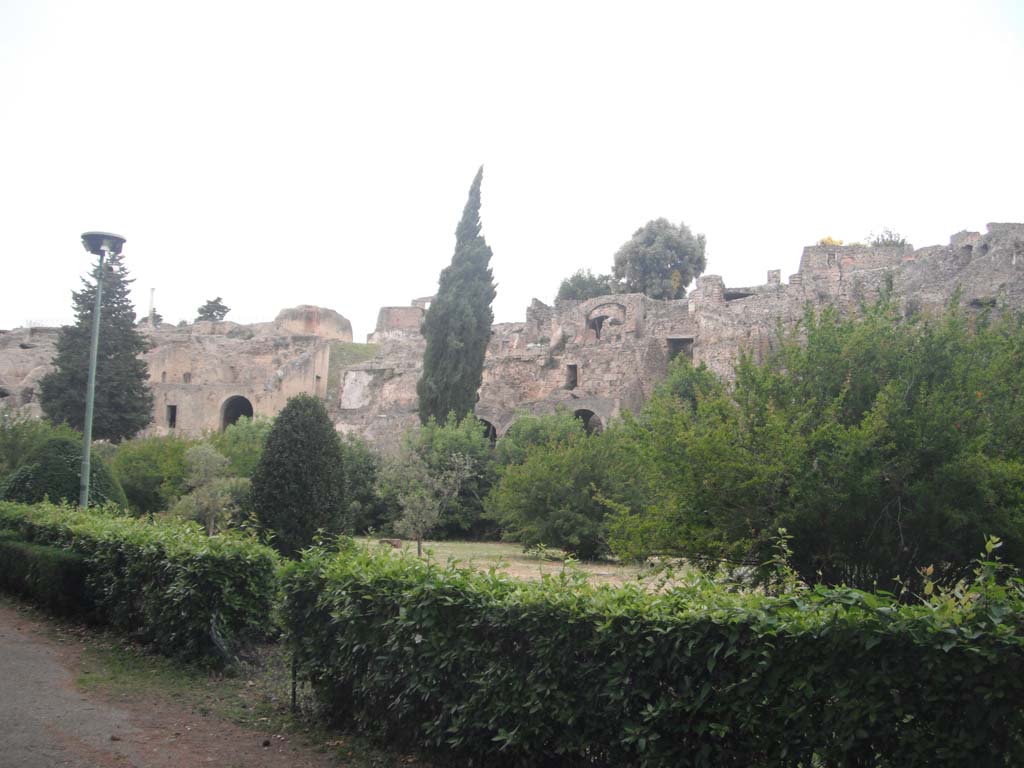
320 152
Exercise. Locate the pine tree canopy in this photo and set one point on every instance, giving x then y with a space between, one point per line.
457 325
214 309
124 402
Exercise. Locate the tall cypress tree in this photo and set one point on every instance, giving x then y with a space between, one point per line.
124 402
458 324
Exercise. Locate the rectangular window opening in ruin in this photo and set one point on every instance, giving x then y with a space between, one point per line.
186 378
172 416
677 347
572 376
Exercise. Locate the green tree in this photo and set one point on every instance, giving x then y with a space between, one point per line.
124 402
660 260
298 485
457 327
242 443
22 435
53 472
882 445
584 284
153 471
423 493
559 494
529 430
157 318
214 500
365 509
214 309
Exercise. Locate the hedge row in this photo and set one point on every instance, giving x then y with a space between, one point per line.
165 583
561 673
48 576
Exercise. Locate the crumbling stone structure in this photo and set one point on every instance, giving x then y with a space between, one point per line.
600 357
596 358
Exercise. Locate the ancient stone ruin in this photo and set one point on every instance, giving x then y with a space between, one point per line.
596 358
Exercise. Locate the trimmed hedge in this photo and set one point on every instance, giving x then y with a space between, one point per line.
48 576
562 673
165 583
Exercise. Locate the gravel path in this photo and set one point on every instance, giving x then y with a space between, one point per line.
46 722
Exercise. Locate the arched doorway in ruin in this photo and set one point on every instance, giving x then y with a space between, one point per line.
233 409
490 432
591 421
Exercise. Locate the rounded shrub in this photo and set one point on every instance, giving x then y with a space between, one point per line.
53 471
298 485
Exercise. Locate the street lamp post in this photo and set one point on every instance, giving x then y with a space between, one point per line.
101 244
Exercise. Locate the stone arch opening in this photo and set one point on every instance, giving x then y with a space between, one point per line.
604 321
591 421
490 432
233 409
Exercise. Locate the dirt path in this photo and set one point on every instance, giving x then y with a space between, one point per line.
46 722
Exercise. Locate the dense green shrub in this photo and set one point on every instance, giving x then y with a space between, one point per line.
529 430
559 494
883 445
242 443
561 673
22 436
365 509
165 583
152 471
51 577
54 470
458 441
299 484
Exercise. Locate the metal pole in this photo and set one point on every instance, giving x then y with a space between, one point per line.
90 390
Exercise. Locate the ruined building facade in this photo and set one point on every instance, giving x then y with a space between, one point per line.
596 358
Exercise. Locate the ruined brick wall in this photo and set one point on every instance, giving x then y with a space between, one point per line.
598 357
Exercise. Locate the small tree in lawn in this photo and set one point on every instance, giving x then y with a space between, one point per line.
422 494
298 485
214 310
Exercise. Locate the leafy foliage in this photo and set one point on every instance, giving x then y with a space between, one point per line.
48 576
660 260
165 583
365 509
214 310
558 496
54 472
454 450
883 446
123 402
21 436
529 430
215 500
584 284
457 326
242 443
152 471
558 672
887 237
299 484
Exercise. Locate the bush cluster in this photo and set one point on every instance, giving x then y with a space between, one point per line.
168 584
557 673
53 472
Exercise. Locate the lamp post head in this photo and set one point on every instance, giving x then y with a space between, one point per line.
99 242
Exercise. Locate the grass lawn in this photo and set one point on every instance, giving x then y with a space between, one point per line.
511 559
